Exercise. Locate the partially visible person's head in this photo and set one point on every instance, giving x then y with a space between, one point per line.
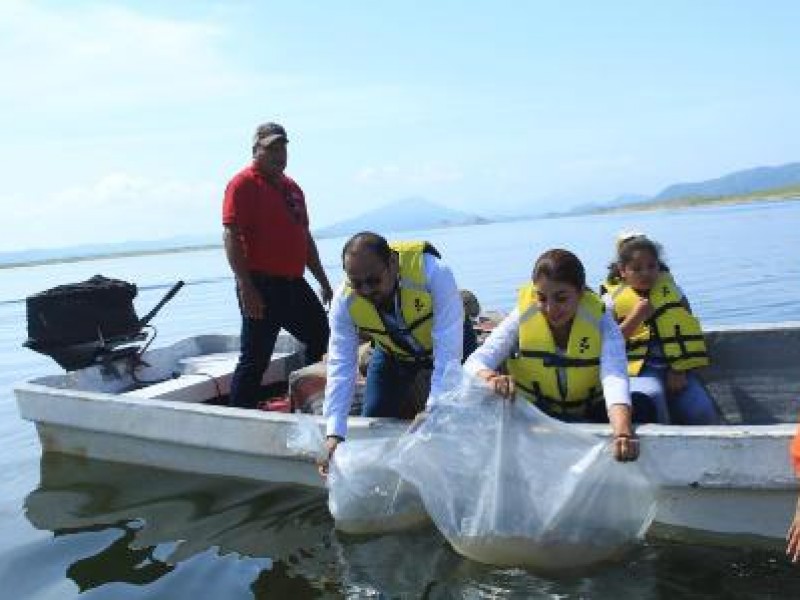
561 266
560 280
638 262
371 267
269 148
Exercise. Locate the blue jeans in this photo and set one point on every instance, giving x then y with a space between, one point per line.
389 379
648 386
693 406
290 304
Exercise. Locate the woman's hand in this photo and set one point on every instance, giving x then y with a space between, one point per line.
502 385
323 465
793 536
676 382
626 443
626 447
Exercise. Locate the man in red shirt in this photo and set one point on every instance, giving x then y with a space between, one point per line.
268 245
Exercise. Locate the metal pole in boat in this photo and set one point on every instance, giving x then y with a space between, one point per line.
169 295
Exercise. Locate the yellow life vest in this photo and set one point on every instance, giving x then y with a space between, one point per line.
416 306
677 330
558 382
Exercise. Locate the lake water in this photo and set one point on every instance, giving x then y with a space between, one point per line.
80 528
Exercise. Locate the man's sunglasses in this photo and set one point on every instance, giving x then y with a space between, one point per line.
371 281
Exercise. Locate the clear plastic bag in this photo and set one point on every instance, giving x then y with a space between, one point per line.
508 485
366 495
305 438
365 492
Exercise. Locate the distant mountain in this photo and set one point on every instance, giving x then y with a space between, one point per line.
403 215
735 184
624 199
618 202
749 185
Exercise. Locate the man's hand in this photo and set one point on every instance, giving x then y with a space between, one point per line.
327 293
331 442
252 303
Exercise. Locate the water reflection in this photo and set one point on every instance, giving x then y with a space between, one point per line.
119 561
130 532
163 518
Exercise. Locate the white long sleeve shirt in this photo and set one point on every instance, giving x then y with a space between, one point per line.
504 340
447 334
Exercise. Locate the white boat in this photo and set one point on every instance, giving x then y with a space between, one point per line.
727 479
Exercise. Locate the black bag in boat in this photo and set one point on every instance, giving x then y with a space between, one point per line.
99 309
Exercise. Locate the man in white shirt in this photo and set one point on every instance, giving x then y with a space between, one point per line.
405 299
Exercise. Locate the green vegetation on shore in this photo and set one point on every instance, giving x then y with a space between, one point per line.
781 194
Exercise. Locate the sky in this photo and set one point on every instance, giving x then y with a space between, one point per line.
125 120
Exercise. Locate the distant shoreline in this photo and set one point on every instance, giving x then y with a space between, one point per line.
101 256
789 195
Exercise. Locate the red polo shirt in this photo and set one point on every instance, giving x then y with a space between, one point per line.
273 222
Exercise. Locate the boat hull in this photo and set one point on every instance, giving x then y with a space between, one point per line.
727 479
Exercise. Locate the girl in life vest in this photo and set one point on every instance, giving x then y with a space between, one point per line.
562 351
664 340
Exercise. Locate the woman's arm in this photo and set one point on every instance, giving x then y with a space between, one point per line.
486 360
616 390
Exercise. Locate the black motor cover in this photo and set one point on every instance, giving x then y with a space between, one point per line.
97 309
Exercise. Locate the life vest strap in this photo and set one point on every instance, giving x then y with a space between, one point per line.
423 360
677 339
412 326
636 344
556 405
554 360
372 330
687 355
664 308
681 340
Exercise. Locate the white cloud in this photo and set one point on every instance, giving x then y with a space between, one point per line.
115 208
90 57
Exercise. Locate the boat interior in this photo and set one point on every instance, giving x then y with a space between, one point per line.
754 377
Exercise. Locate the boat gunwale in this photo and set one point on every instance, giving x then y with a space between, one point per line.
769 430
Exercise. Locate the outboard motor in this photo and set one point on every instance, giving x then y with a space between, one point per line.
80 324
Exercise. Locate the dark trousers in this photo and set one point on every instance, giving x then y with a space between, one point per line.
290 304
642 411
393 388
